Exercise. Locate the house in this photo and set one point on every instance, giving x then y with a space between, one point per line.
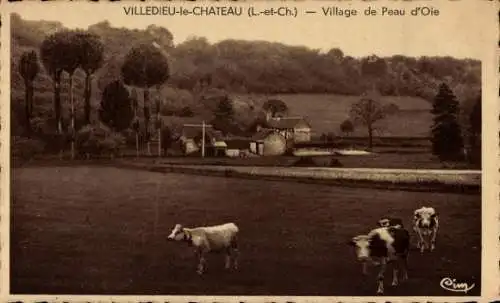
267 142
191 139
295 129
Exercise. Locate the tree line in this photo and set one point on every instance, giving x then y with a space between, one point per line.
196 65
275 68
63 52
263 67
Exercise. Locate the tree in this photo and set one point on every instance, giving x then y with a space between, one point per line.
91 58
224 109
70 61
145 66
336 54
475 120
447 141
374 68
166 138
51 52
224 117
135 120
116 107
347 127
28 68
275 108
368 111
327 137
158 120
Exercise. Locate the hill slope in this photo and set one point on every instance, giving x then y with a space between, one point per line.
318 85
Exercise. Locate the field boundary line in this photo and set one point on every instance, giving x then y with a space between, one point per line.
434 185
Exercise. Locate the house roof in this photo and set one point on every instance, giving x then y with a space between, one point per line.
285 122
220 144
191 131
217 135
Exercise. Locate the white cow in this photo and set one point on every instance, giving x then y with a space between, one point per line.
381 246
426 225
219 238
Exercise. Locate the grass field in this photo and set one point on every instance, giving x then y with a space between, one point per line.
377 160
97 230
325 112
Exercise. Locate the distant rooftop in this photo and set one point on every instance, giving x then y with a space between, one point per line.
194 130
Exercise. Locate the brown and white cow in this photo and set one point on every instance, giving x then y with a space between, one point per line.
426 226
382 246
216 239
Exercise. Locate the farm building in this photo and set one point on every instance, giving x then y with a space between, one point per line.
191 138
295 129
268 143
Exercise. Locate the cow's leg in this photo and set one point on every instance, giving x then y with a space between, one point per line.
433 240
201 262
236 254
421 240
405 267
228 258
427 239
395 272
381 275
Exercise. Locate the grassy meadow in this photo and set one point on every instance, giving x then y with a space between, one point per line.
98 230
325 113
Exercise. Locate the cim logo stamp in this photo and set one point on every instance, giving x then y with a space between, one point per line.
452 285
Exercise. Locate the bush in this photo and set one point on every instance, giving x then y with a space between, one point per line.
317 162
335 163
26 148
97 140
186 111
129 136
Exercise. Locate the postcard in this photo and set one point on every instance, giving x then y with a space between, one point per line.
266 151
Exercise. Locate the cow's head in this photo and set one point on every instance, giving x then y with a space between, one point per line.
362 245
177 233
425 216
384 222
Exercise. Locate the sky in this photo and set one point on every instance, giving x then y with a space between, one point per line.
462 29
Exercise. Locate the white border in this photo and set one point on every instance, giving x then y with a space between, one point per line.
490 178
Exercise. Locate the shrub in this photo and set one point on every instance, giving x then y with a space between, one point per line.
317 162
305 162
186 111
335 163
26 148
129 136
96 140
